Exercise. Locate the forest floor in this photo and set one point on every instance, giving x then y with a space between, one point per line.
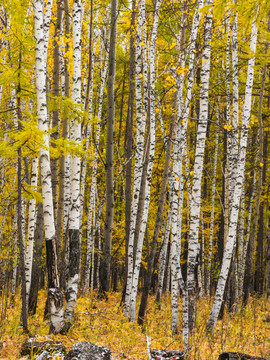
102 323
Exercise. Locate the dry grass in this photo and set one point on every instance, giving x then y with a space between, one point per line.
102 323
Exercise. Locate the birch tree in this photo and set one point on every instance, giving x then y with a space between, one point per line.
75 135
238 186
152 56
55 294
193 245
138 165
177 174
31 229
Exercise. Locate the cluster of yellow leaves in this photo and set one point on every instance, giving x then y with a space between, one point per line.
102 323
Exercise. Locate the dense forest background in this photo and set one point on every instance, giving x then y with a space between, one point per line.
134 159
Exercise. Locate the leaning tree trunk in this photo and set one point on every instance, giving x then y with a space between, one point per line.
152 56
162 198
251 245
138 165
193 244
238 189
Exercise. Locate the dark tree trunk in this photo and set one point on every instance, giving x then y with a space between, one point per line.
248 278
162 198
37 263
259 272
24 310
56 112
59 226
107 244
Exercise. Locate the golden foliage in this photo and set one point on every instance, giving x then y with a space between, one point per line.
102 323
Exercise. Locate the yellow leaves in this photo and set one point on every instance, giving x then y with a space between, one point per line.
30 139
102 323
261 164
144 264
170 79
253 120
181 70
31 192
227 127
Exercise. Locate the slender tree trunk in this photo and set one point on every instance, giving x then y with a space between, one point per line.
193 244
259 273
152 56
138 165
213 194
31 230
56 112
164 249
75 135
37 263
55 294
64 166
162 198
129 137
93 189
107 244
24 308
251 245
238 189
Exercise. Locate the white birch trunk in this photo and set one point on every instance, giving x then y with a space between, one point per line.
55 295
138 166
31 230
137 264
238 187
193 244
75 135
235 100
88 128
179 148
93 189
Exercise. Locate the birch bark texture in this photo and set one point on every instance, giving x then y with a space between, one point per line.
152 56
138 165
238 187
75 172
177 172
41 46
193 243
